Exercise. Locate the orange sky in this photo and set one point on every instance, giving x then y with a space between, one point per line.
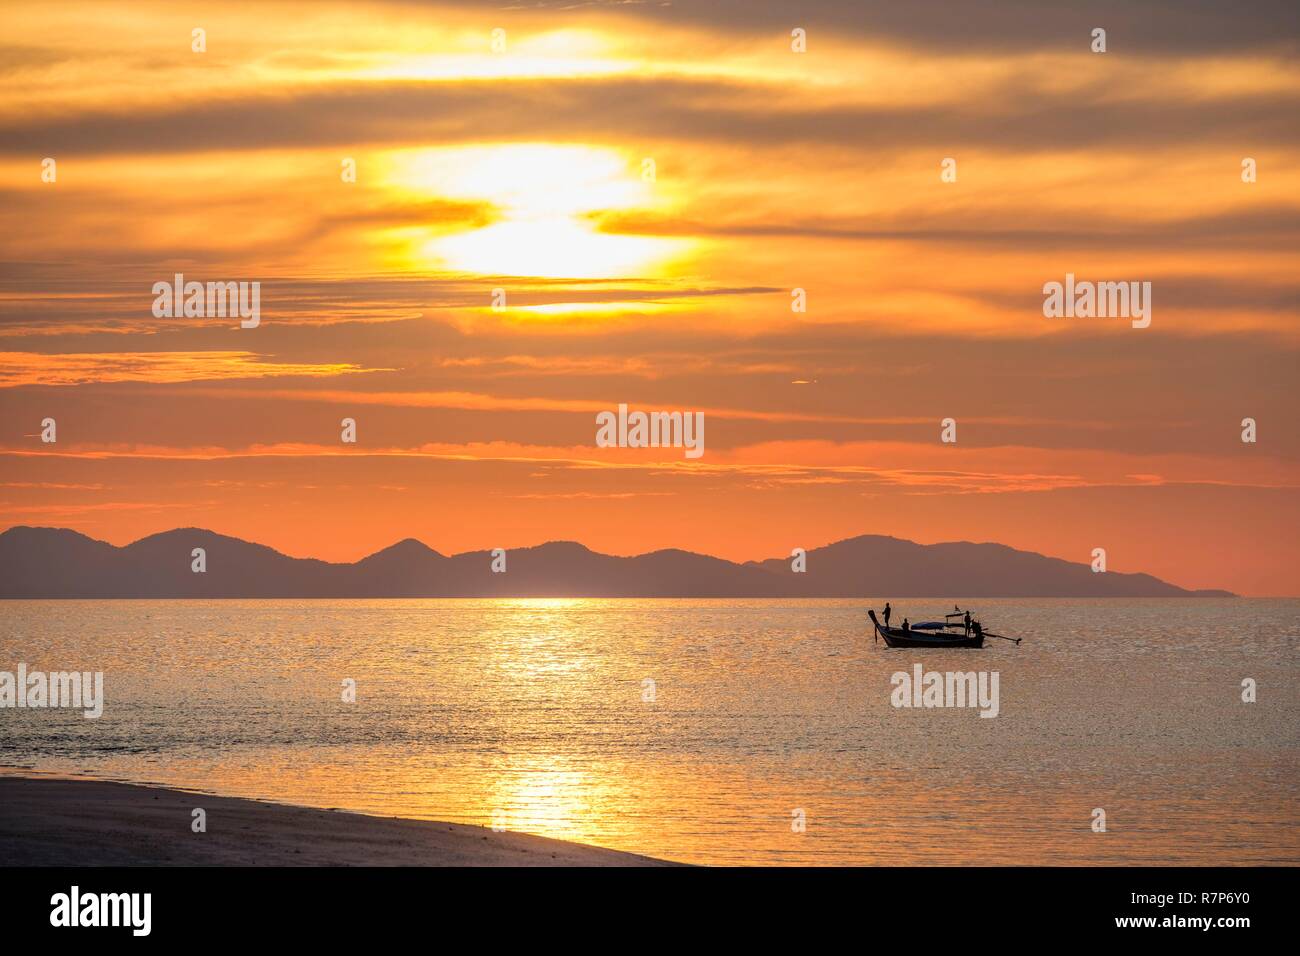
524 168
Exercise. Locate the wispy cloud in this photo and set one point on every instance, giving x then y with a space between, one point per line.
35 368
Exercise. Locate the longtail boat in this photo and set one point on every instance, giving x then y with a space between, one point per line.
936 633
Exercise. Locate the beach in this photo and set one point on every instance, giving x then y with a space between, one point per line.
54 821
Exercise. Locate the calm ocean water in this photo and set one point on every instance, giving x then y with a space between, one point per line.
533 711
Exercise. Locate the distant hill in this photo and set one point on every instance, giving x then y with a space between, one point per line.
59 563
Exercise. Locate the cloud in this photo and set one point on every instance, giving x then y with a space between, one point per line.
1263 229
34 368
1153 27
921 468
663 108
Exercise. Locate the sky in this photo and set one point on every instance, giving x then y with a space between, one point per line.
559 208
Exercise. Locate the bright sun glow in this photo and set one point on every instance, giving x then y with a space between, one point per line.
556 53
543 196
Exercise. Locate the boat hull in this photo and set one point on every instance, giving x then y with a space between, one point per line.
897 637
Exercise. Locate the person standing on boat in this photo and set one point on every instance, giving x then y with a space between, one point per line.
886 614
968 623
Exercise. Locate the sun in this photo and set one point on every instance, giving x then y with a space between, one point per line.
543 197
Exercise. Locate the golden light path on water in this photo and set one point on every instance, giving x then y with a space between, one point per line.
534 715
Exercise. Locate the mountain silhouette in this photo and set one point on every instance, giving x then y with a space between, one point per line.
60 563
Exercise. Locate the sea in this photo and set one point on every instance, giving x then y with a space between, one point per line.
726 732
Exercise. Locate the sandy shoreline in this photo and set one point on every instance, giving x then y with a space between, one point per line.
53 821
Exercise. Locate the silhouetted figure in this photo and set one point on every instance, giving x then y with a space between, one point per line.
906 627
979 631
968 623
886 614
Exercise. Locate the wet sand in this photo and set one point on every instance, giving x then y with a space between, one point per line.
52 821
